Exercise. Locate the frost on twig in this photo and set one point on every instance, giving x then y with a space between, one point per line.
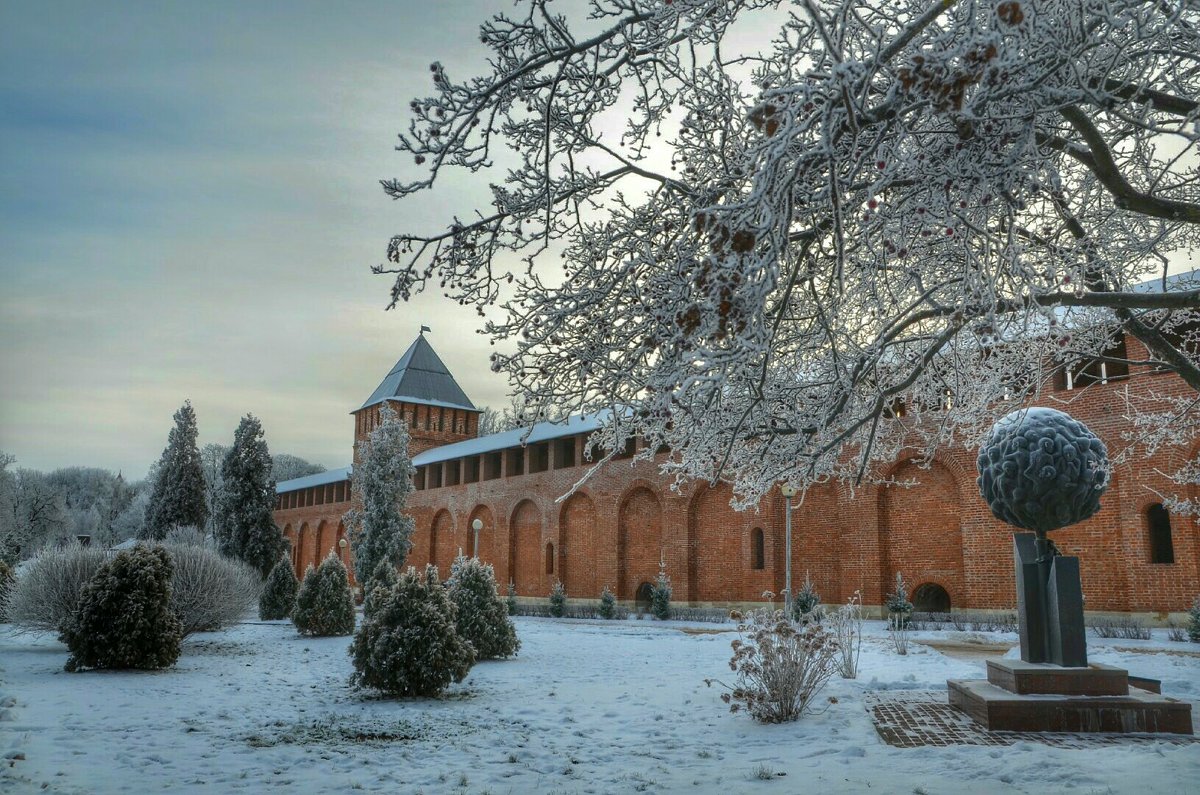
769 248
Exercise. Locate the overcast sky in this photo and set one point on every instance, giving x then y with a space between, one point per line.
189 208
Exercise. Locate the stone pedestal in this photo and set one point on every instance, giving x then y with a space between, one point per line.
1039 697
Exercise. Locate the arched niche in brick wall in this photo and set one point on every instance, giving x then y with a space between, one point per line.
442 542
343 551
487 534
289 535
525 550
307 549
325 539
578 548
920 528
718 549
639 540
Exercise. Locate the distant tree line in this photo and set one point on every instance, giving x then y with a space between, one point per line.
186 486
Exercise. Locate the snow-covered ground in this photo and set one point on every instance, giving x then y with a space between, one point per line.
586 707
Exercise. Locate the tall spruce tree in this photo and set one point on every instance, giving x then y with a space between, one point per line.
245 527
379 529
178 494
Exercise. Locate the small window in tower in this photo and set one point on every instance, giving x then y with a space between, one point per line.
550 558
758 552
1162 547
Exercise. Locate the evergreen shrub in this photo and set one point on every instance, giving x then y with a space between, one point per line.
279 592
806 605
558 599
1193 627
409 645
384 579
660 597
7 581
124 618
481 616
608 604
324 605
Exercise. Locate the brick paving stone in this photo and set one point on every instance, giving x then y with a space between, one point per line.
916 718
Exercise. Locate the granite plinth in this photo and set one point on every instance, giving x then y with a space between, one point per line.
1023 678
1136 711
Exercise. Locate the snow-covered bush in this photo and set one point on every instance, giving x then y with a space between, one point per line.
481 616
511 598
7 581
50 585
279 592
807 602
780 666
409 645
660 597
190 535
558 599
899 612
845 624
384 579
124 618
608 604
208 590
1193 627
324 605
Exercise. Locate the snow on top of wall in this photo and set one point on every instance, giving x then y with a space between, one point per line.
319 479
541 432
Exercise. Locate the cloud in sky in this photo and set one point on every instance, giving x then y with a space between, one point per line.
189 206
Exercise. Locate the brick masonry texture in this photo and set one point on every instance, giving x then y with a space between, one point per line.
626 520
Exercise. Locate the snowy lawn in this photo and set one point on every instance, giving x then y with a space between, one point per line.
587 706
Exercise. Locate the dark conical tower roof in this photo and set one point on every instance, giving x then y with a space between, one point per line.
421 377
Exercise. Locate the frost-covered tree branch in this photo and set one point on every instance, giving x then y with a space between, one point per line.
765 228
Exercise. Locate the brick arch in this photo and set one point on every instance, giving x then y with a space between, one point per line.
442 542
639 539
343 552
578 546
718 543
326 534
817 546
525 550
920 529
289 535
307 551
487 535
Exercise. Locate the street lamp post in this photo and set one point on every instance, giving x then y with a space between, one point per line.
788 491
476 525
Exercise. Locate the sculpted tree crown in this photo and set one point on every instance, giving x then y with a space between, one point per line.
813 212
1041 469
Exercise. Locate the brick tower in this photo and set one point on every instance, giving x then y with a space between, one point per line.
421 389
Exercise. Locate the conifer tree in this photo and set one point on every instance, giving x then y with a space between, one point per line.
385 578
245 526
608 604
279 593
410 645
124 618
807 602
379 529
660 597
482 617
558 599
324 605
178 495
1193 627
